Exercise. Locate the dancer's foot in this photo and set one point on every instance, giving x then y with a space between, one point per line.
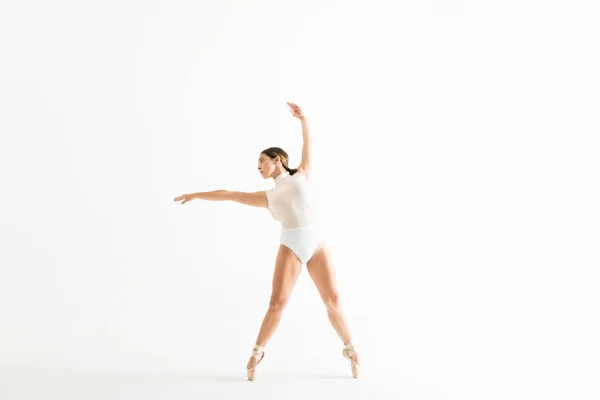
257 355
351 354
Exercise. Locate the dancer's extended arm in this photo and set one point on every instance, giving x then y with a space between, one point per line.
255 199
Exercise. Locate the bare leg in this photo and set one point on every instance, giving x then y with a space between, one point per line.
287 270
270 321
322 273
337 319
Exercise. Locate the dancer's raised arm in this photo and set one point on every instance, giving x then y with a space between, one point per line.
306 139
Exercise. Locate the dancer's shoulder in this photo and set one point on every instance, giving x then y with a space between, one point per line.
303 172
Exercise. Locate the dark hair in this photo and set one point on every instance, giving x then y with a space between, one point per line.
273 152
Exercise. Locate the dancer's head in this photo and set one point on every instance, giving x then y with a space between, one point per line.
273 161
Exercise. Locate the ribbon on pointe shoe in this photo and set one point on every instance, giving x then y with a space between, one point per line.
349 351
257 352
350 348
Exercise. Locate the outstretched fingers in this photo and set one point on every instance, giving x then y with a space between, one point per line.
184 197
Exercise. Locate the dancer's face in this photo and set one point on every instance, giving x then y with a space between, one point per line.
266 166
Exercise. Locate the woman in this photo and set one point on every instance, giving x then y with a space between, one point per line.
291 203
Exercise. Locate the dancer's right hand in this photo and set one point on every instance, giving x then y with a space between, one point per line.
185 198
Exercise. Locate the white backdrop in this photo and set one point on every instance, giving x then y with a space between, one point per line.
456 159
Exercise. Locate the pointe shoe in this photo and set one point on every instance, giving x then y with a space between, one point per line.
348 352
258 352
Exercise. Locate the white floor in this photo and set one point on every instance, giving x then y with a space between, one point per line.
299 382
270 383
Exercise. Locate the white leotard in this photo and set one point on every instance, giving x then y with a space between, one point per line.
292 202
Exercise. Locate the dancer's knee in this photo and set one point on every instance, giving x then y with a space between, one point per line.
277 303
332 301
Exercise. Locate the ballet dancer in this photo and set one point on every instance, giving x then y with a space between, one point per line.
291 202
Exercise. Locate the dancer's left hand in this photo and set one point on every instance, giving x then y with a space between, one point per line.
296 111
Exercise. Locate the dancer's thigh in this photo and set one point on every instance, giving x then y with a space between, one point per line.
287 270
